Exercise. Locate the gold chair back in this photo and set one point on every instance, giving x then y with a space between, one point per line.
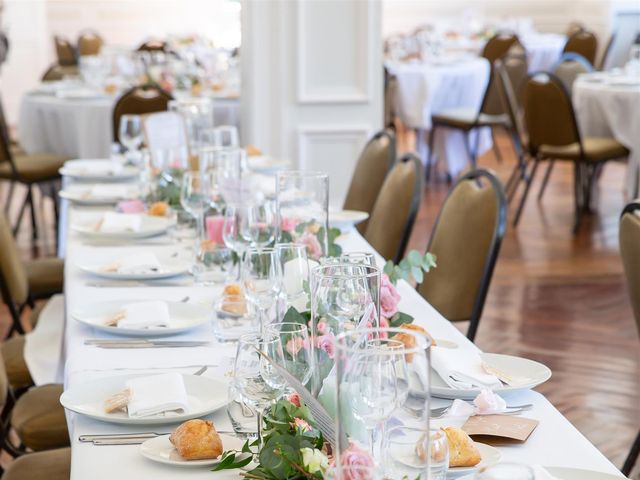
629 237
376 159
89 43
139 100
498 46
583 42
466 240
510 72
13 274
56 72
548 112
153 46
65 52
395 209
4 383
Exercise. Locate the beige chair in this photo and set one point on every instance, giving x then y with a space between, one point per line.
466 240
140 101
395 209
65 52
89 43
629 237
498 46
49 465
554 135
584 43
56 73
569 67
374 164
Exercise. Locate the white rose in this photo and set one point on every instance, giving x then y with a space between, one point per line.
314 460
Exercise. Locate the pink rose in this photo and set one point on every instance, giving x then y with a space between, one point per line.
130 206
321 327
314 249
384 322
301 425
288 224
389 297
294 345
326 344
294 398
358 463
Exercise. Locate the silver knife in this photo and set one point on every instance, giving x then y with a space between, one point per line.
144 343
137 283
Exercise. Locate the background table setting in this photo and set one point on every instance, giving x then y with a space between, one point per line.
224 294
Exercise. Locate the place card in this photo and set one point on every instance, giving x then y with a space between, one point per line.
500 426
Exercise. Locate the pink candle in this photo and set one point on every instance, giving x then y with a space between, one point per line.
214 225
130 206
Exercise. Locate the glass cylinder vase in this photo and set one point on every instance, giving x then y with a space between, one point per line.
303 210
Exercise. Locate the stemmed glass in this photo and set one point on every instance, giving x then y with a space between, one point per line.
196 196
261 228
130 132
235 229
261 280
294 266
298 359
255 378
362 258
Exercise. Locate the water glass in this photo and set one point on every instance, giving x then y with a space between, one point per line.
298 359
130 131
197 114
364 258
213 263
235 228
408 452
261 280
254 376
225 136
196 197
505 471
261 229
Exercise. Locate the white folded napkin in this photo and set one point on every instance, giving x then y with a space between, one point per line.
109 191
486 403
157 394
141 315
114 222
461 368
95 167
541 473
140 263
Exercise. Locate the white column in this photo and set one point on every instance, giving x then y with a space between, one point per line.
312 83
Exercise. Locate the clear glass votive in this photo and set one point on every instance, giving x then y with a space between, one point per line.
213 263
407 453
233 317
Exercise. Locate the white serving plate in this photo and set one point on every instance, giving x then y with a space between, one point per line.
150 227
81 195
85 169
489 454
168 268
564 473
515 366
160 449
205 394
184 317
345 220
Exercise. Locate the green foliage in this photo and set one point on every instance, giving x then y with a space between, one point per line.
414 265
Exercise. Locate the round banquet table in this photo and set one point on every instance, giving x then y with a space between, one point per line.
609 105
82 128
543 50
425 88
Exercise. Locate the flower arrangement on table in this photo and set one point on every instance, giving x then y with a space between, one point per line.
310 233
294 447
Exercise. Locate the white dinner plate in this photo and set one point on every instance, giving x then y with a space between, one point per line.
265 164
205 394
150 227
80 94
95 170
564 473
489 455
169 267
160 449
535 373
345 220
183 317
82 195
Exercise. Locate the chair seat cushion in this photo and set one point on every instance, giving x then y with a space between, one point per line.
13 356
39 419
34 168
49 465
45 276
465 119
596 149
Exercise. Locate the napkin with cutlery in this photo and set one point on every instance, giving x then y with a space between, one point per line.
140 315
156 395
461 368
140 263
114 222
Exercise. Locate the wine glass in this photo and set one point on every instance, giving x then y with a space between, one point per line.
261 228
254 377
196 197
229 164
362 258
298 359
234 229
261 280
505 471
130 132
395 349
294 267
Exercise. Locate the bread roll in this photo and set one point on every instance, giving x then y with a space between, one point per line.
197 440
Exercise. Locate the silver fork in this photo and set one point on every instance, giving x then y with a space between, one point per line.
511 410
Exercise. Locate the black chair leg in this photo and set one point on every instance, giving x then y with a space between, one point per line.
7 204
525 194
580 179
472 154
432 134
518 174
496 150
34 221
16 228
547 174
632 458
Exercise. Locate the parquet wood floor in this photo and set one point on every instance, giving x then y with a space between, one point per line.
555 297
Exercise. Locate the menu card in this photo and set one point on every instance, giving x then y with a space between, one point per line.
500 426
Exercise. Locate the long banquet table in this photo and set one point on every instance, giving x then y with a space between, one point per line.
555 442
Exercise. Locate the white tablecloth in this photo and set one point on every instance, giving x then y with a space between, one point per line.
83 128
428 88
543 49
554 442
607 109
